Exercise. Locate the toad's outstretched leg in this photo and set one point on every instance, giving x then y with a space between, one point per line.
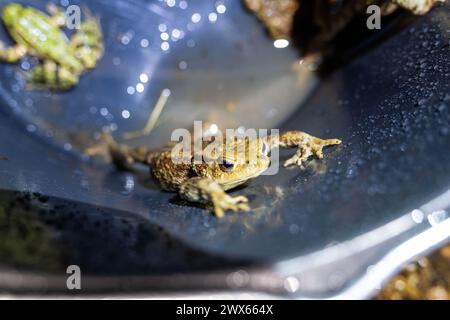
207 191
307 146
122 155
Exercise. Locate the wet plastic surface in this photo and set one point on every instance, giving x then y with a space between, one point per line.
391 107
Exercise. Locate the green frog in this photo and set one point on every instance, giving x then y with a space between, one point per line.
231 165
38 34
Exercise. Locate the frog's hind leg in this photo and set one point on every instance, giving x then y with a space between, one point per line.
207 191
306 145
88 40
12 54
49 75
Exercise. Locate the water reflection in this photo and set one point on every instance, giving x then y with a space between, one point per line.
48 234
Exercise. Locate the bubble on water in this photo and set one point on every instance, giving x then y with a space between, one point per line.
164 36
220 8
140 88
25 65
129 184
143 77
291 284
162 27
212 17
166 92
170 3
165 46
182 65
183 4
417 216
351 173
190 43
125 39
125 114
104 111
421 102
437 217
238 278
131 90
31 127
196 17
281 43
144 43
176 34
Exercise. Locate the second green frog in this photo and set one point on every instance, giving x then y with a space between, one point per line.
61 60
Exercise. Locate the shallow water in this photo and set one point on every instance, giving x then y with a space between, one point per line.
208 55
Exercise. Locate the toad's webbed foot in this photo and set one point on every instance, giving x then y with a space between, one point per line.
306 145
207 191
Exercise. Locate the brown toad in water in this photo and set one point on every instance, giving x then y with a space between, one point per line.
206 181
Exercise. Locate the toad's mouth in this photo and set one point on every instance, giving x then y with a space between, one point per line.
243 179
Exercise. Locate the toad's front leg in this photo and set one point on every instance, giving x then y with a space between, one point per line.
307 146
12 54
207 191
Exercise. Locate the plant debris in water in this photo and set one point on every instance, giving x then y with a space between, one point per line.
427 278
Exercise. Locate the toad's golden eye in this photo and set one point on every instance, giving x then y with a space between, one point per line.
227 166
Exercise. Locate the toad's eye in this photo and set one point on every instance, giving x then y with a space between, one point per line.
227 166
